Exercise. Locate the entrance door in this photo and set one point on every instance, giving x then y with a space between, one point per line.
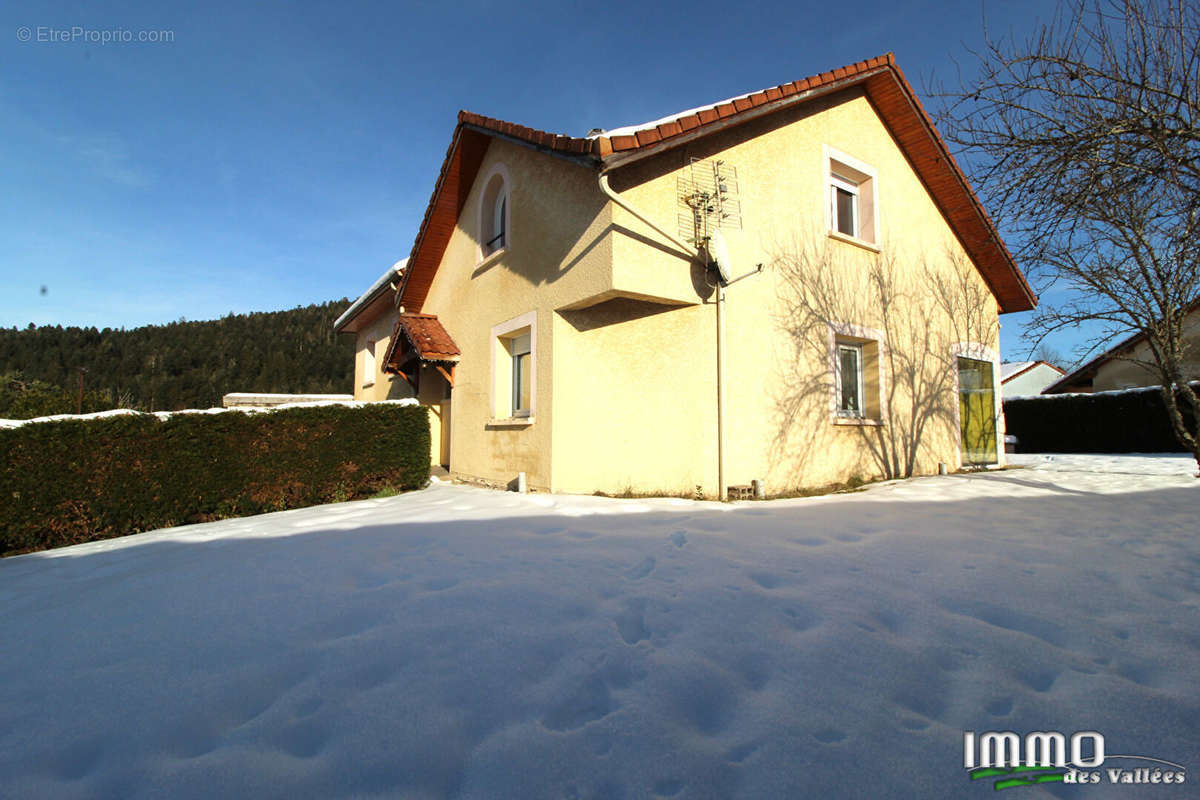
434 393
445 443
977 411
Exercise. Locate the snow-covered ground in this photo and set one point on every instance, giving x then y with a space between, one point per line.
1112 464
457 642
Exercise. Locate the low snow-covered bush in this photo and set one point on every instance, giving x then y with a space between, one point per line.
1126 421
71 481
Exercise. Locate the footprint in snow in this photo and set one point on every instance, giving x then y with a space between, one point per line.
631 623
642 569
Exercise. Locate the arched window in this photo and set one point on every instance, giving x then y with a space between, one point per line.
493 213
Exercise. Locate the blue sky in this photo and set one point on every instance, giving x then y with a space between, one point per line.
279 154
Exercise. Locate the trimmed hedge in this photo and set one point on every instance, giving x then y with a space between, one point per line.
72 481
1129 421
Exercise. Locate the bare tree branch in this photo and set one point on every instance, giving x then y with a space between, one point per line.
1084 142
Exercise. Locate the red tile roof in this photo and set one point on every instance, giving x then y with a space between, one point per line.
886 88
423 335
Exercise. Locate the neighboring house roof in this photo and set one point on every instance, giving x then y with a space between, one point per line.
885 87
420 336
370 299
1008 369
1088 370
1016 369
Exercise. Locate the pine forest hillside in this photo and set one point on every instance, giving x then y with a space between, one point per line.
180 365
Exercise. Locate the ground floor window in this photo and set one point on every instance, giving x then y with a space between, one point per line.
857 374
368 377
514 369
522 365
850 380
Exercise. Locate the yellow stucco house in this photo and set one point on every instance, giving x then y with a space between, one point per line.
796 287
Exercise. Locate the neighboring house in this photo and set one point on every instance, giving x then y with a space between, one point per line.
1118 367
372 319
1023 378
555 316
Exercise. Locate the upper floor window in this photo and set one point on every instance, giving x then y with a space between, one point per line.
850 199
844 205
493 212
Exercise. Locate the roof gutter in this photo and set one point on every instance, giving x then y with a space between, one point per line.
581 159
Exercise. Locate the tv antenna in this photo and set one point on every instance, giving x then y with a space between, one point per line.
708 196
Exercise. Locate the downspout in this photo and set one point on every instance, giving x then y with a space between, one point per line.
604 187
722 489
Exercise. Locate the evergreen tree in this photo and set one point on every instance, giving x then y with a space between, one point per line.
179 365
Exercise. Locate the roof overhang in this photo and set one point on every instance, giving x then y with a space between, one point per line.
371 303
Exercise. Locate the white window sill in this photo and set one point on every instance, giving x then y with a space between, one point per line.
510 422
858 421
854 240
491 258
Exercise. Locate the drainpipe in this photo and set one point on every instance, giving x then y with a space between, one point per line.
722 490
604 187
722 487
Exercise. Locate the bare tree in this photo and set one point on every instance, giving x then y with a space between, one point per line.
1050 354
923 309
1083 140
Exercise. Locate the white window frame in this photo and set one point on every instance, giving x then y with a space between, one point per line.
851 188
487 213
980 352
839 332
368 378
517 409
857 349
501 402
863 184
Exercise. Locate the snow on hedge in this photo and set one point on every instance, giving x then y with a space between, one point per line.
16 423
457 642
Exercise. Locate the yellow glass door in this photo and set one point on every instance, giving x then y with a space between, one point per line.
977 411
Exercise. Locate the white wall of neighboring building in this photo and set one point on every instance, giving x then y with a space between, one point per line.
1030 380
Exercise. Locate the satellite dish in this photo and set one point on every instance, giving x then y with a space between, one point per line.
718 256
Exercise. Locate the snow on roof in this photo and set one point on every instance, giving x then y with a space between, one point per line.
1013 367
629 130
363 299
